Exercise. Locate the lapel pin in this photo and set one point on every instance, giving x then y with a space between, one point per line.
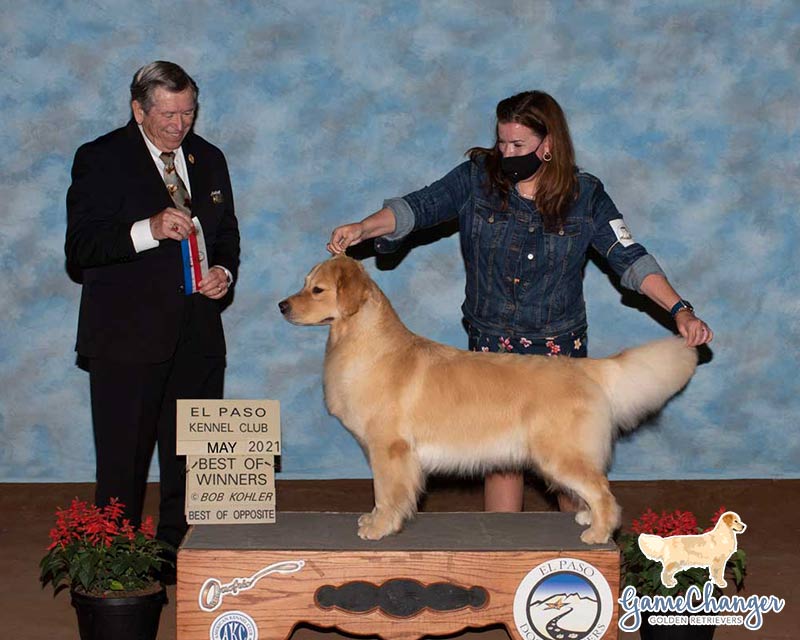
191 158
216 197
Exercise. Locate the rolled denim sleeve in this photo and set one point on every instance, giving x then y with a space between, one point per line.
612 240
431 205
633 276
404 218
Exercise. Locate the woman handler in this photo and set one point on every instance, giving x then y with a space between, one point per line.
527 216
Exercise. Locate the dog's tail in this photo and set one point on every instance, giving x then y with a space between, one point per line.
639 381
651 545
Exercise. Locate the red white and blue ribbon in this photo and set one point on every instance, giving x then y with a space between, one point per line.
195 260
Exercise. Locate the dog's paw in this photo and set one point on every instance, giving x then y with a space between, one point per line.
364 520
668 580
373 531
584 517
378 524
595 536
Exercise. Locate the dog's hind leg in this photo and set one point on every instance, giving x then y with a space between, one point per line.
584 517
592 487
604 512
397 479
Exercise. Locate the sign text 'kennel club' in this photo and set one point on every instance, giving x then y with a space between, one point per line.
230 448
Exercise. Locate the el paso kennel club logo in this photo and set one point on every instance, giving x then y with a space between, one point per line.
563 598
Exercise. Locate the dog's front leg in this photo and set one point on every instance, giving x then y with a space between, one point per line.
668 571
716 571
397 479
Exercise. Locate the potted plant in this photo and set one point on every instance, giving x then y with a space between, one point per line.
644 574
110 568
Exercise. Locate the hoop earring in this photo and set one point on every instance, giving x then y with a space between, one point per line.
547 156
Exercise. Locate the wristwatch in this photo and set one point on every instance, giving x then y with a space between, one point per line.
679 306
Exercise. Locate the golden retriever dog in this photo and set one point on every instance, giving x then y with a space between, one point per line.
710 550
418 406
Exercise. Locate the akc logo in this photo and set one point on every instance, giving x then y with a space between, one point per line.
561 599
233 625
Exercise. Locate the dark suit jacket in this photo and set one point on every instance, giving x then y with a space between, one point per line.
133 305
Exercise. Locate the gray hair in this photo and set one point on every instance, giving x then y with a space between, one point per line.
167 75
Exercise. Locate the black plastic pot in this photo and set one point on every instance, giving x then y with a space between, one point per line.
124 618
674 632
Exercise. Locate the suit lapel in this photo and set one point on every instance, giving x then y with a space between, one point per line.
191 159
144 166
196 172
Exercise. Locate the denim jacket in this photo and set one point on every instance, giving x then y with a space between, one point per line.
521 279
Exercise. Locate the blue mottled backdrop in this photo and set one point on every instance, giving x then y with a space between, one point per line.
687 110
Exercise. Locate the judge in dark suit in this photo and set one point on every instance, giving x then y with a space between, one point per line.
133 195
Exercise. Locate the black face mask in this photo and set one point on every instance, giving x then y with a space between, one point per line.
519 168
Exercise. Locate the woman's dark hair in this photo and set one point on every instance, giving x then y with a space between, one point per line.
556 187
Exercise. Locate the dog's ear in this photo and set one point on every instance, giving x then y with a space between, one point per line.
352 287
729 518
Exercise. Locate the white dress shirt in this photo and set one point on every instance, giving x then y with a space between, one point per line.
141 235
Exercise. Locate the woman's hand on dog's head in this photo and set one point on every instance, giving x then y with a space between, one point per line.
345 236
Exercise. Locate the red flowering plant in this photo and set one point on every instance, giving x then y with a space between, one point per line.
98 552
645 574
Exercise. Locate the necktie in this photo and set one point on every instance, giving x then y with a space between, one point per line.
175 186
193 248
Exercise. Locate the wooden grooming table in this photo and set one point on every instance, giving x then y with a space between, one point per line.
444 573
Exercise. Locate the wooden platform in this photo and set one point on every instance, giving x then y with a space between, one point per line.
444 573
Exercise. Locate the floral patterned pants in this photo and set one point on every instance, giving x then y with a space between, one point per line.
572 345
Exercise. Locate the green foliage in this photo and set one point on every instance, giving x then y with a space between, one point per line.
97 551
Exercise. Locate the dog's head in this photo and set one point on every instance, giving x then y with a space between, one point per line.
333 290
732 521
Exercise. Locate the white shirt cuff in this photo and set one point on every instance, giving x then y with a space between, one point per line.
228 274
142 237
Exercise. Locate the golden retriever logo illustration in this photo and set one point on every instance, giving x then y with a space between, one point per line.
710 550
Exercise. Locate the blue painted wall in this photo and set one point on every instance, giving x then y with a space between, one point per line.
687 110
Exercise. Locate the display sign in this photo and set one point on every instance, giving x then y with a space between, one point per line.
230 448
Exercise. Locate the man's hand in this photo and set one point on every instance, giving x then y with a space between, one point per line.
171 223
215 284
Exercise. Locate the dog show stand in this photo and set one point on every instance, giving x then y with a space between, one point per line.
444 573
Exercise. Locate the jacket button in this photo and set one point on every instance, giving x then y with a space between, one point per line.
561 232
181 289
530 256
